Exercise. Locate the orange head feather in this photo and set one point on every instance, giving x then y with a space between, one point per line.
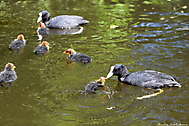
42 25
10 65
70 51
44 43
20 37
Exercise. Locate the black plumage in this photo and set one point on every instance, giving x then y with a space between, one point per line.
92 87
18 43
42 31
42 48
8 75
78 57
146 78
62 21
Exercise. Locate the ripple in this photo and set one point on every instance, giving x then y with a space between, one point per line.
167 13
150 24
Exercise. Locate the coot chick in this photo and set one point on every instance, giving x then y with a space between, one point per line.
18 43
42 31
92 87
147 78
8 75
42 48
62 21
78 57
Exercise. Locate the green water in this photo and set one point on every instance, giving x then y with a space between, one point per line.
150 34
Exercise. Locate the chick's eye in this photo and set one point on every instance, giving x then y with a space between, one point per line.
67 51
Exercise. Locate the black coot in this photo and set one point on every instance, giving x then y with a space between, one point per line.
8 75
42 48
42 31
92 87
62 21
18 43
78 57
147 79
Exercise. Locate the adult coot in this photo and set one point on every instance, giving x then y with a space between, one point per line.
18 43
62 21
78 57
42 48
8 75
147 78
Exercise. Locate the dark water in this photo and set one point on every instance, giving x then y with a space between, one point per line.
140 34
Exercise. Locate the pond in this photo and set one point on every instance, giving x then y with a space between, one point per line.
151 34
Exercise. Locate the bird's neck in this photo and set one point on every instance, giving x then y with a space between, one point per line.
46 21
73 53
123 75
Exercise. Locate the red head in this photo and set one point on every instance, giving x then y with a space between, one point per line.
42 25
70 51
44 43
20 37
10 66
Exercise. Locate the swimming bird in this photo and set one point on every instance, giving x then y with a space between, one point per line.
18 43
8 75
62 21
42 31
147 78
78 57
42 48
92 87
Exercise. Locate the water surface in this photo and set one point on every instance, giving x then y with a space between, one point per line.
140 34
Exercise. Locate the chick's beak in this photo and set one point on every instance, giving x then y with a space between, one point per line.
110 74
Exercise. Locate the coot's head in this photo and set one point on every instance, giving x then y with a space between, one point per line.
44 16
10 67
117 70
101 80
70 52
20 37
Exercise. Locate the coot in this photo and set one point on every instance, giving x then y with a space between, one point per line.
62 21
78 57
42 31
92 87
147 78
18 43
8 75
42 48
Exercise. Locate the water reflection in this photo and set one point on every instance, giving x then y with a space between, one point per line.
141 35
46 32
